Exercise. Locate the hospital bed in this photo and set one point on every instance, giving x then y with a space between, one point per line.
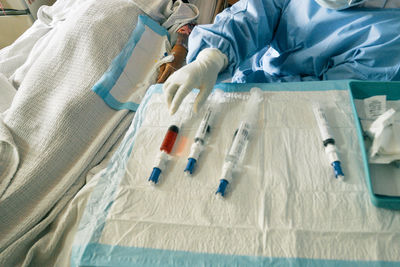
58 125
284 208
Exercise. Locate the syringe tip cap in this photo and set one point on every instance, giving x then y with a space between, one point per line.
155 174
338 170
222 187
190 166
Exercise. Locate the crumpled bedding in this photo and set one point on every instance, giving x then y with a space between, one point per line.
56 125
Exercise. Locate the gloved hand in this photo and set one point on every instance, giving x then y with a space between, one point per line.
201 73
179 52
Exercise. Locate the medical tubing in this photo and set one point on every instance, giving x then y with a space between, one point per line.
240 141
327 140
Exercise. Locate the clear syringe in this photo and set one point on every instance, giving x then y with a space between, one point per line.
240 141
203 130
328 141
165 149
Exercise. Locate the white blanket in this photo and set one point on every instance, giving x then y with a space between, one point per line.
57 126
7 92
17 59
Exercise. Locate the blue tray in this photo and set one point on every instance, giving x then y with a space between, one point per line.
362 90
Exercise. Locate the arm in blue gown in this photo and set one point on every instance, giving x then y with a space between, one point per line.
239 31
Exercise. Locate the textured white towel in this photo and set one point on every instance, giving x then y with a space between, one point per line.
7 93
8 152
16 59
59 126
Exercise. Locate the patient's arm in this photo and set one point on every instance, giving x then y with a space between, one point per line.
179 51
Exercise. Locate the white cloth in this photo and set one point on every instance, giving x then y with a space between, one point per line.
54 248
206 9
16 59
7 92
386 138
384 177
169 14
59 126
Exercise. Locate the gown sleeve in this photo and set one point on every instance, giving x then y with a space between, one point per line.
239 31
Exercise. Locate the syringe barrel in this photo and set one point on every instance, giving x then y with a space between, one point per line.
227 171
322 122
240 140
331 153
161 161
239 143
196 149
204 126
169 139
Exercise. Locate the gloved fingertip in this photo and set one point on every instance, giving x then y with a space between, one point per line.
169 92
198 103
165 86
196 108
172 110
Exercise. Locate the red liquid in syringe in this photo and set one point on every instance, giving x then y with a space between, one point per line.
169 139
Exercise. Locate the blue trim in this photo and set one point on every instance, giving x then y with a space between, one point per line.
110 77
115 104
102 197
153 25
362 90
107 255
293 86
341 85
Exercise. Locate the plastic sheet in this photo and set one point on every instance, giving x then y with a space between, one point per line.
284 206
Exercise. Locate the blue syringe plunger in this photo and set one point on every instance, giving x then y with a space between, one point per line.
222 187
190 165
337 169
155 174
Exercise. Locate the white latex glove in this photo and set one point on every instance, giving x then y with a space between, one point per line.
201 73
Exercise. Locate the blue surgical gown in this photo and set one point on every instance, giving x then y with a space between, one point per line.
298 40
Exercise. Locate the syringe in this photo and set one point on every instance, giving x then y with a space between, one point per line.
241 136
203 130
165 150
328 141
